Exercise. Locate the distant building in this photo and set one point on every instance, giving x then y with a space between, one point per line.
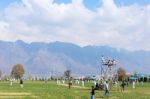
139 77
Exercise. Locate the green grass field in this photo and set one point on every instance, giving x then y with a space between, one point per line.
50 90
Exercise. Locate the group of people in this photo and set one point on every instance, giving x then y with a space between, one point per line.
106 90
21 82
103 86
124 83
78 82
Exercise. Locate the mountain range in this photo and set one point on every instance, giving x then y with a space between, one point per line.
56 57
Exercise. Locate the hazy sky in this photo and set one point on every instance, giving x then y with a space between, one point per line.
116 23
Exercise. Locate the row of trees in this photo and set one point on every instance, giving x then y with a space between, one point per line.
121 74
17 71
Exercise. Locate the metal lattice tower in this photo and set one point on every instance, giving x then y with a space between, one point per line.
108 68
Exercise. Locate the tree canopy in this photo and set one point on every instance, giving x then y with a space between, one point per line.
17 71
121 74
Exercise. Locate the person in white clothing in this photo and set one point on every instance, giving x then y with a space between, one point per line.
78 82
106 89
95 82
82 82
133 84
11 82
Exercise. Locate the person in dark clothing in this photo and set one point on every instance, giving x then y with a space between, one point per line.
21 83
92 93
70 83
122 86
97 86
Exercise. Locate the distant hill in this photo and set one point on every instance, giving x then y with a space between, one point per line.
44 58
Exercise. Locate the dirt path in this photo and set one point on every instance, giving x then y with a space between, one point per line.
16 95
74 86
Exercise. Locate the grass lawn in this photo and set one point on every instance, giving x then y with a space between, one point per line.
50 90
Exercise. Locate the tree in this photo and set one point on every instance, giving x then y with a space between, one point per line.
67 74
121 74
17 71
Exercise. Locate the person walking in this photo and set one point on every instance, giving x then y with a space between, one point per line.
106 89
92 93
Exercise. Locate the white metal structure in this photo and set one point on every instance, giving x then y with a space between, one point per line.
108 68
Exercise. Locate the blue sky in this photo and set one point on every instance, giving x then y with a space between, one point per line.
5 3
115 23
91 4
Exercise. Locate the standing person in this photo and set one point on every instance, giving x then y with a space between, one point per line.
11 82
142 81
95 82
63 81
78 82
21 83
57 81
70 83
122 85
133 84
46 79
127 83
106 89
92 93
82 82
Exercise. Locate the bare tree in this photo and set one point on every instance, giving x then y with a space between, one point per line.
17 71
67 74
121 74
